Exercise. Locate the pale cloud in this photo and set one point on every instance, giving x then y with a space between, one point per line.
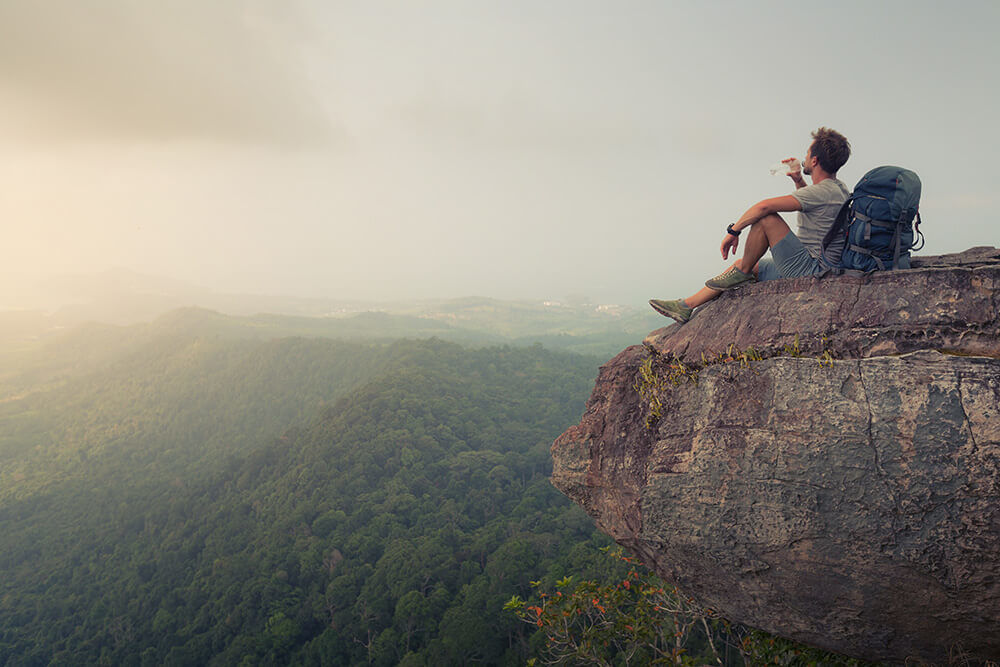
226 71
968 201
521 123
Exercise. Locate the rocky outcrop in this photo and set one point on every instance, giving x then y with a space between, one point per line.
818 458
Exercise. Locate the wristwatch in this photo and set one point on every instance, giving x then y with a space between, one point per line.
732 231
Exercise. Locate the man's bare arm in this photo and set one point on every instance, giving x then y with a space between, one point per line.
767 207
759 210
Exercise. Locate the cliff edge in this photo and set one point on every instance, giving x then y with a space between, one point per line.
816 457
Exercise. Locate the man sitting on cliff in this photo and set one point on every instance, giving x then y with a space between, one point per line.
792 254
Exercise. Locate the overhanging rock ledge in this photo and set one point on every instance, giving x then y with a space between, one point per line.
818 458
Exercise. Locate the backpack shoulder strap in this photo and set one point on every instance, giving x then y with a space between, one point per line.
838 224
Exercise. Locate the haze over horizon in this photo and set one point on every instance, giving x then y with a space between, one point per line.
440 149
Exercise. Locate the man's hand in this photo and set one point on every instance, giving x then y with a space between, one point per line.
794 171
794 166
729 244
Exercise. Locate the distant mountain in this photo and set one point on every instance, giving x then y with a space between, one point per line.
126 298
122 296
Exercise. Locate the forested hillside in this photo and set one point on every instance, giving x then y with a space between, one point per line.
174 497
168 400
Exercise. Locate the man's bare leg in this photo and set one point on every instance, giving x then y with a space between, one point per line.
701 297
764 234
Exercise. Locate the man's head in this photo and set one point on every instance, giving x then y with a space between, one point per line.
830 149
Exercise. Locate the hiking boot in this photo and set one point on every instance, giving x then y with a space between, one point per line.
730 279
675 309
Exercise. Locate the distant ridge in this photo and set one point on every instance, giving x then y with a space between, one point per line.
125 298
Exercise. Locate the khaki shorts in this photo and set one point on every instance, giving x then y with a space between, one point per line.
789 259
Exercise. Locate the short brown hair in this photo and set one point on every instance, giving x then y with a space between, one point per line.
830 148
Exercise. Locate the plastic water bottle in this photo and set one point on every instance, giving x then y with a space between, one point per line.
785 168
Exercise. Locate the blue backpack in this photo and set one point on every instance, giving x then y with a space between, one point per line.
877 221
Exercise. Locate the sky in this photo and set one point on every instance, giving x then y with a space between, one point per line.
443 148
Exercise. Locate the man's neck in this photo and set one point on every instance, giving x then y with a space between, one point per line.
818 175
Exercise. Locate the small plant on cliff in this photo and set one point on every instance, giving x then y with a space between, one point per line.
659 372
649 386
733 354
759 648
794 349
826 358
638 620
656 374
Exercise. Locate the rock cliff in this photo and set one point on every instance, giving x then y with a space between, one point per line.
817 457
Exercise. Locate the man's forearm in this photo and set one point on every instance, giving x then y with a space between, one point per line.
753 214
765 208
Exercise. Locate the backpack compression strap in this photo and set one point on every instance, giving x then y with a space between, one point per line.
919 234
895 244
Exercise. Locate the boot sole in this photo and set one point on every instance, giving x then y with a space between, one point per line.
677 317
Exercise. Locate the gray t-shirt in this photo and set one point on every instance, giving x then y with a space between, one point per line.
820 204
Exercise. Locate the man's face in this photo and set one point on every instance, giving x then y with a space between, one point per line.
807 163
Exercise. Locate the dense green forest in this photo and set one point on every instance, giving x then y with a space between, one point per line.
171 497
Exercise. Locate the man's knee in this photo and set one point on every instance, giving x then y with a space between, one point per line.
772 219
775 228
